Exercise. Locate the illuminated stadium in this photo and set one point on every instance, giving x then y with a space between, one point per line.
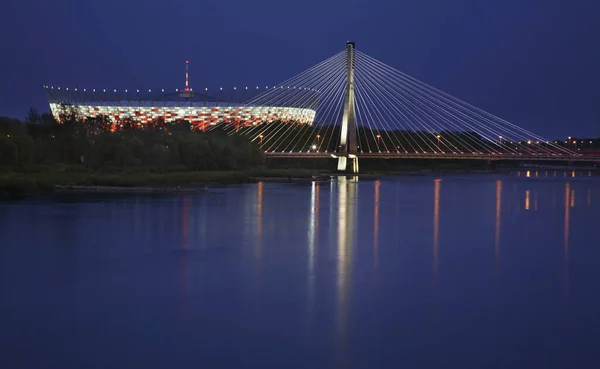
288 104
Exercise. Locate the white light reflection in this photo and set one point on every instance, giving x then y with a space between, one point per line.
313 227
347 193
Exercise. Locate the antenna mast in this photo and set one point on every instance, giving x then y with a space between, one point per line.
187 76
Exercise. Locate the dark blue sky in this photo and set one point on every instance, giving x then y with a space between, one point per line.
535 63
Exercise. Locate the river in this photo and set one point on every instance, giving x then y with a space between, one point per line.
469 271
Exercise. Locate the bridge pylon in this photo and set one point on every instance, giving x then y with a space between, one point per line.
348 133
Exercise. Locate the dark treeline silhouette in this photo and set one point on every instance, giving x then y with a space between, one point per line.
98 144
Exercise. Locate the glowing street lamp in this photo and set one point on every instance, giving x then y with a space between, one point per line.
314 147
261 138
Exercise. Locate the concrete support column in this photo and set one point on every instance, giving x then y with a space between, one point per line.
349 138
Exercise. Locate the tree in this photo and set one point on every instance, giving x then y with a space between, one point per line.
9 152
160 157
48 119
33 116
25 151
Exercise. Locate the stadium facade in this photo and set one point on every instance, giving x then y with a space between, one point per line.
201 110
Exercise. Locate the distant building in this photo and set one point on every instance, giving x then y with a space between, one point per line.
201 110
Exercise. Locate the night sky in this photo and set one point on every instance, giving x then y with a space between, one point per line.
535 63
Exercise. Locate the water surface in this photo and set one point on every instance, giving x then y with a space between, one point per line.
493 271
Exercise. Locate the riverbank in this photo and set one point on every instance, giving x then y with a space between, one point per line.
48 182
72 180
52 181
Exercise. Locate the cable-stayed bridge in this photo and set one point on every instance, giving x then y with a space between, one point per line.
367 109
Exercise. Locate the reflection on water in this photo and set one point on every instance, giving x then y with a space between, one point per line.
82 274
185 223
436 226
498 221
376 222
313 231
313 225
185 234
347 211
569 203
259 219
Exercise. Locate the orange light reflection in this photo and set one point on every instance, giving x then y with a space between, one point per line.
436 226
568 201
498 221
376 224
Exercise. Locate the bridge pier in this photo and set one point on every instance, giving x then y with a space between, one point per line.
343 164
348 132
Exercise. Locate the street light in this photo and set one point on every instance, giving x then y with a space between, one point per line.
261 137
438 138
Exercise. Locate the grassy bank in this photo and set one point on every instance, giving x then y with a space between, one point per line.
46 181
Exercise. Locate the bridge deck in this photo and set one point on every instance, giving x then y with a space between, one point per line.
457 156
